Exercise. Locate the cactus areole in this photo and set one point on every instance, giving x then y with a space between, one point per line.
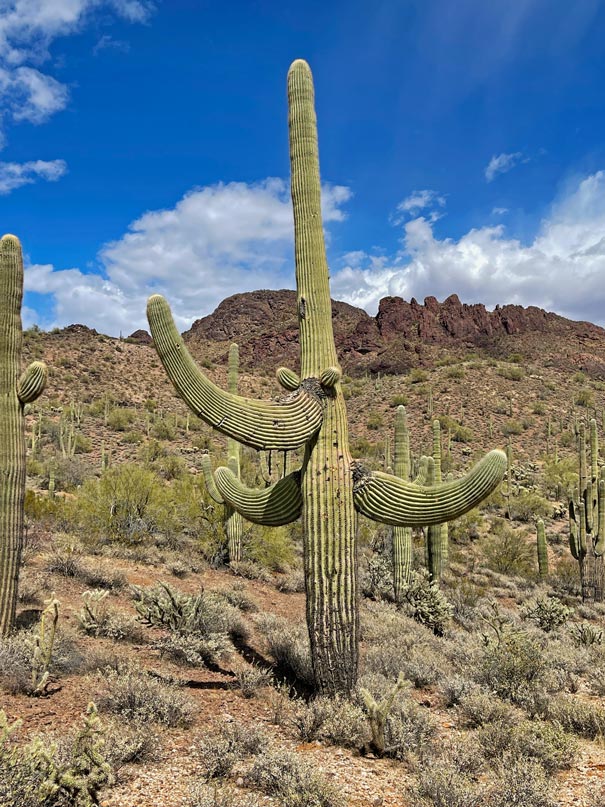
327 491
16 390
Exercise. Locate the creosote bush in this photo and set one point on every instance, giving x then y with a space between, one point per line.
221 750
293 780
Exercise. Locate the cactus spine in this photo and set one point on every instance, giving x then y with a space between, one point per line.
403 550
15 391
587 516
328 490
542 550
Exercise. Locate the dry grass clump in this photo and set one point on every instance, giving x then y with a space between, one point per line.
221 751
202 795
137 696
289 646
332 720
295 782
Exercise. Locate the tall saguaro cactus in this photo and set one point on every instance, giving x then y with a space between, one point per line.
403 549
587 517
16 390
437 535
234 523
329 489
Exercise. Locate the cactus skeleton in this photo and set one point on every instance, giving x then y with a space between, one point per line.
15 391
328 491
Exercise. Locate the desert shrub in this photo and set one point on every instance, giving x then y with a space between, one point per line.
129 743
455 688
294 781
163 430
18 666
522 783
289 646
43 773
465 528
398 400
512 373
136 696
271 547
124 505
528 506
120 419
507 550
409 729
511 427
584 718
170 466
292 581
96 618
98 575
547 743
65 559
547 613
443 785
513 666
584 397
417 376
480 709
456 372
566 576
237 597
333 720
221 751
424 602
251 679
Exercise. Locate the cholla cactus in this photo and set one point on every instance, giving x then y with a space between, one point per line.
234 523
328 490
587 517
16 391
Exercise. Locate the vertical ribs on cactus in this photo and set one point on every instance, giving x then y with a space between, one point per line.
327 490
16 390
587 516
542 548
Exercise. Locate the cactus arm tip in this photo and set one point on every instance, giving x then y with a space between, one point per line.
213 492
391 500
32 382
261 425
274 506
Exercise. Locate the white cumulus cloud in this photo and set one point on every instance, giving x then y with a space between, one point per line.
216 241
561 269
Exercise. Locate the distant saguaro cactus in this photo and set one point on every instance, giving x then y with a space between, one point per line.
542 548
16 390
587 517
328 489
234 523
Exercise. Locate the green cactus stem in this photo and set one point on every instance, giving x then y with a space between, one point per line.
234 523
314 415
403 550
587 515
16 390
542 548
437 534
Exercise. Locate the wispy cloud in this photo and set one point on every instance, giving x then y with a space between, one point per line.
27 29
107 42
419 200
503 163
14 175
499 211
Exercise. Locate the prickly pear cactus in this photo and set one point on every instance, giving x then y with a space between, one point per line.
328 490
16 390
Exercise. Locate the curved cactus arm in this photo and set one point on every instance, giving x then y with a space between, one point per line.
287 378
261 425
423 472
273 506
390 500
32 382
211 487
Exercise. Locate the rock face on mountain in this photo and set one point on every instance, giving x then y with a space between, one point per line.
401 335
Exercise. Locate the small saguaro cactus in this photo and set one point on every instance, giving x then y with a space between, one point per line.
328 490
542 548
16 390
587 517
234 523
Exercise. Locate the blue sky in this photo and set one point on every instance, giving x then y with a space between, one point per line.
144 148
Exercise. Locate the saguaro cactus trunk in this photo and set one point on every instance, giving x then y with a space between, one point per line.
15 391
327 490
403 549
